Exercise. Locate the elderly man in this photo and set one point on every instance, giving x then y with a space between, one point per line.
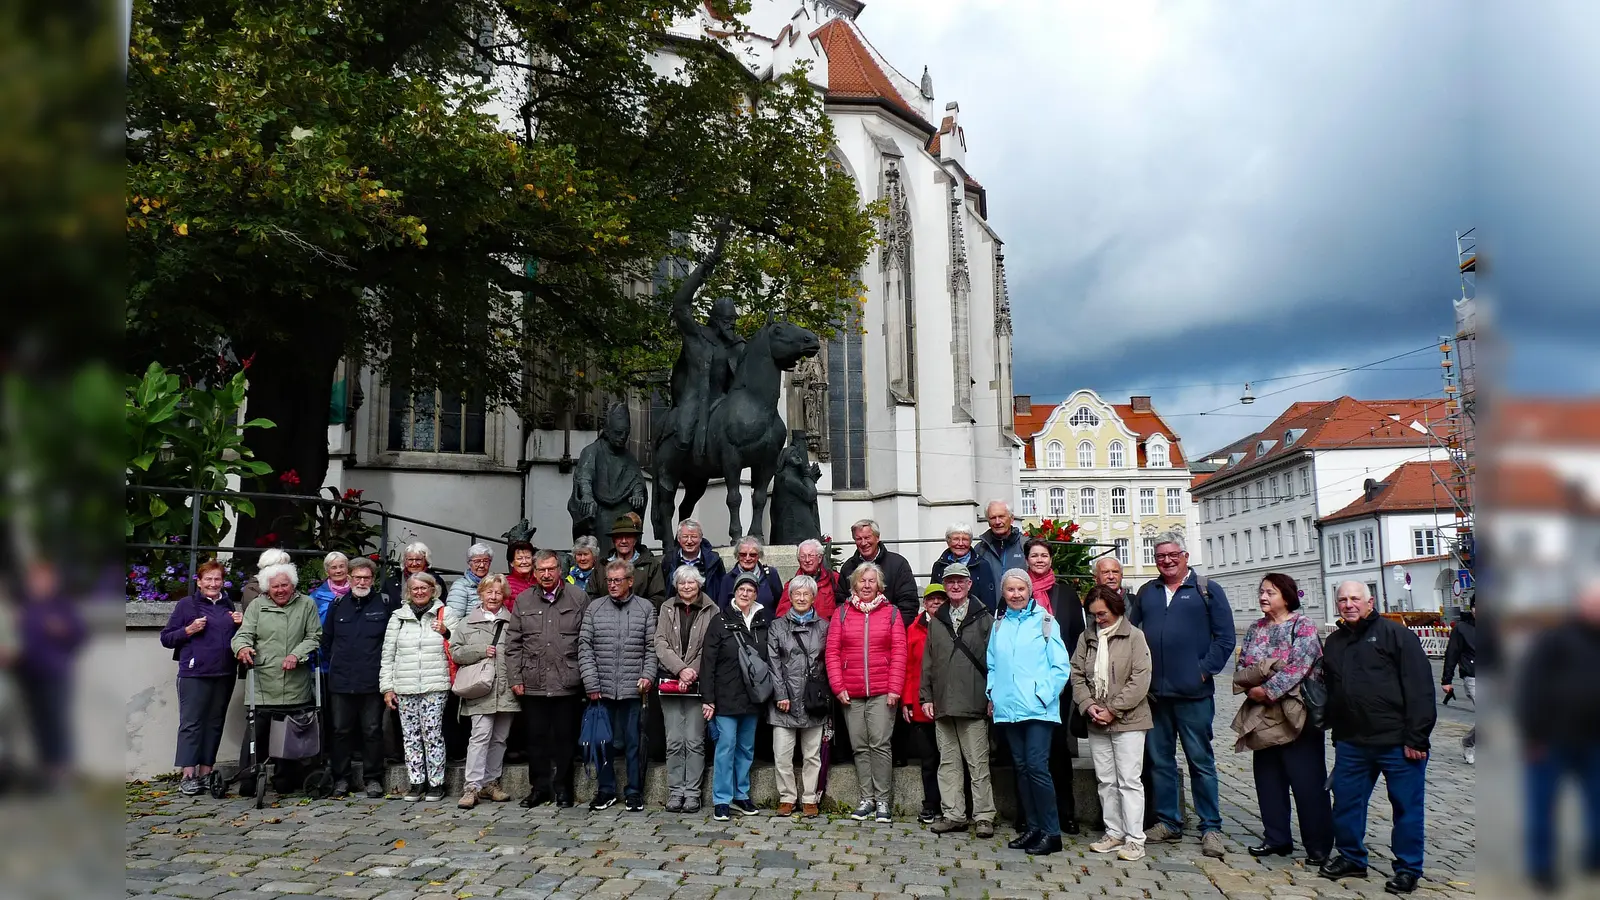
541 650
692 549
644 565
352 645
1381 713
998 550
899 585
958 549
953 691
616 653
809 555
1189 627
463 596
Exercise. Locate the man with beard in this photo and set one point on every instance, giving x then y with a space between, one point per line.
352 645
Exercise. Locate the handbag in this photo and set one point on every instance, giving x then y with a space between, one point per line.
449 660
816 695
295 736
1314 694
755 671
475 680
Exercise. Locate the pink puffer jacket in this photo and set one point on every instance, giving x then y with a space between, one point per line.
867 653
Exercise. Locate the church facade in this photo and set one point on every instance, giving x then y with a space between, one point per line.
908 408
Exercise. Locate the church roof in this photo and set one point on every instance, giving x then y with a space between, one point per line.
854 73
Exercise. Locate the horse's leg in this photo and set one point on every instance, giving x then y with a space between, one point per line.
730 479
666 489
693 490
760 484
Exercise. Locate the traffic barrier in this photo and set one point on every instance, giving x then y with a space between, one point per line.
1434 638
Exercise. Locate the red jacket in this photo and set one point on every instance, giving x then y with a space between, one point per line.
827 590
867 653
916 639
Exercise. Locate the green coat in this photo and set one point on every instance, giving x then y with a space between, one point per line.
950 680
276 632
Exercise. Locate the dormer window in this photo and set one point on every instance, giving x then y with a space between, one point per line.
1156 454
1264 447
1233 458
1292 435
1084 417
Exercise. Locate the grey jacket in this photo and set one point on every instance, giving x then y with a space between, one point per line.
469 643
950 681
792 648
616 646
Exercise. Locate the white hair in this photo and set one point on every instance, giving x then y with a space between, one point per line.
958 528
691 524
1366 592
418 547
993 503
1110 559
334 557
476 550
1017 575
265 577
803 583
273 557
863 569
750 540
866 523
811 544
689 573
1170 537
586 543
425 578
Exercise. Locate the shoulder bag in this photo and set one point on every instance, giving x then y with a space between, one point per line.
816 695
475 680
753 669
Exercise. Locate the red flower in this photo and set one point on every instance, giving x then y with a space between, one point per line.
247 361
267 540
290 478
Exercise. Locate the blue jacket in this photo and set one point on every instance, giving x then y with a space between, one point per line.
1028 665
995 556
1190 640
769 590
984 579
709 565
352 642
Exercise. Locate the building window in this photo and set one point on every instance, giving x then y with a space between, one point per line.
1333 550
1264 551
1147 501
1305 481
1311 541
1086 455
847 405
1119 501
1058 502
1209 555
1235 554
1249 546
1277 539
1205 510
1030 502
1156 452
1350 546
1272 483
1147 551
1086 501
435 421
1174 501
1055 456
1424 542
1084 417
1294 539
1369 544
1124 551
1117 455
1261 494
1233 504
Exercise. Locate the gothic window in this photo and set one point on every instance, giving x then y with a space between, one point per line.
1084 417
1086 455
960 307
847 406
1086 501
435 421
1119 501
1058 502
1118 457
1054 455
899 297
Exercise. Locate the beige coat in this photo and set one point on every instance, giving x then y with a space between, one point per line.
469 643
1128 693
1263 725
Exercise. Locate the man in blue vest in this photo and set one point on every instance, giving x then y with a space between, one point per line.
1189 627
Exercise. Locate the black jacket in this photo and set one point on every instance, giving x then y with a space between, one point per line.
709 564
1068 610
899 584
352 641
394 586
720 677
1462 651
1557 702
1380 685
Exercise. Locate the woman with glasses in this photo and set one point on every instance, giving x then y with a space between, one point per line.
747 559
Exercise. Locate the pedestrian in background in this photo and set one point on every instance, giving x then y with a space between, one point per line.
1461 655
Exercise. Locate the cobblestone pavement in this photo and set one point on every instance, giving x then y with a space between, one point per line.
391 850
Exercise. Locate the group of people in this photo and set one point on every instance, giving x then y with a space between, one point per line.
996 645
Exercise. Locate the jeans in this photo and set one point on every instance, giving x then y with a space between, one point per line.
552 730
625 734
736 749
358 727
1030 756
1299 767
1187 720
1544 775
1118 759
685 728
202 709
1355 774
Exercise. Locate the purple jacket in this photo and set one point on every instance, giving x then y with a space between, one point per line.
207 654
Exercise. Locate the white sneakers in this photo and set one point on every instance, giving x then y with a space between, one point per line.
1106 844
1131 852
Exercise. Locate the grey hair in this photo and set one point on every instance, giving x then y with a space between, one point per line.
494 579
267 573
864 568
866 523
689 572
273 557
803 583
425 578
361 562
811 544
1170 537
1110 559
958 528
993 503
418 547
477 550
1366 592
334 557
750 540
693 525
546 554
586 543
1018 575
620 565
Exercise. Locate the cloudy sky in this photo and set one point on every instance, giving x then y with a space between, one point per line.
1196 195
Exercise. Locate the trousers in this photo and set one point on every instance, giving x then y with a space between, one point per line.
1030 755
963 756
1545 772
625 733
871 724
685 728
552 732
736 750
358 728
486 747
1187 720
783 743
422 730
1355 773
202 711
1299 767
1118 761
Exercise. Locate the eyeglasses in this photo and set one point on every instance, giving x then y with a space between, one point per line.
618 580
548 570
1168 556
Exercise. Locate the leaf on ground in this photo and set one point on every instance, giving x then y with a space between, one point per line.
399 844
272 821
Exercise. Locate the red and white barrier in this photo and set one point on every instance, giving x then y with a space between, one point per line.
1434 638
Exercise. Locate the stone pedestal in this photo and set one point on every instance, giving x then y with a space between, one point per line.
783 557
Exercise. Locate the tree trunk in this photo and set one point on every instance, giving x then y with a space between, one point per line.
291 384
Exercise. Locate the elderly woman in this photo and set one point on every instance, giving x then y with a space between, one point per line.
480 635
744 624
414 677
463 596
959 549
747 560
198 632
252 589
1056 597
867 672
679 646
796 644
585 556
415 558
813 565
1286 644
1111 688
278 631
1028 668
336 585
918 720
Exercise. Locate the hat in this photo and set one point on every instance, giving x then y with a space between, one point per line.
957 570
935 588
627 524
746 578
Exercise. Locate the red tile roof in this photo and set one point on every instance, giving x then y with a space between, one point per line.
1546 421
1332 425
854 73
1529 486
1143 424
1413 487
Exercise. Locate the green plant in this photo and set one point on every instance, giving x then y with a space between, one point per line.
341 525
1068 558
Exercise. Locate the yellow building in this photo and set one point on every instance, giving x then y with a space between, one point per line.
1118 470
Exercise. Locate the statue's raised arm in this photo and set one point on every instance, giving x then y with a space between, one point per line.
683 298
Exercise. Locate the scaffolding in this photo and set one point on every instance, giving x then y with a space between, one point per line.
1458 352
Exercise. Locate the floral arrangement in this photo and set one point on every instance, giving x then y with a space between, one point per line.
1069 558
150 580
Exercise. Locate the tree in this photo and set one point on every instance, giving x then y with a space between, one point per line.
425 186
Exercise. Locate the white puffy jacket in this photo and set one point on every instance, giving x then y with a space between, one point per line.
413 653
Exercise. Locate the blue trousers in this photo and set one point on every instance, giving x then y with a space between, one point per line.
1187 720
625 734
1545 773
1030 757
1355 773
736 748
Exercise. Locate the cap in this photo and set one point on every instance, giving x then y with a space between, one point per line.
746 578
627 524
958 570
935 588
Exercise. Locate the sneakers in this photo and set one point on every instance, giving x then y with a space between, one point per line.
674 804
947 826
928 816
602 801
863 810
1211 845
691 804
413 792
721 813
341 787
1131 852
494 791
374 790
1107 844
469 798
190 787
785 809
984 829
745 806
435 793
635 803
809 810
1162 833
883 813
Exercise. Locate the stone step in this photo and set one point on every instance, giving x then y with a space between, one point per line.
841 789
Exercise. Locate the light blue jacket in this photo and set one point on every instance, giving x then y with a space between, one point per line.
1028 665
463 595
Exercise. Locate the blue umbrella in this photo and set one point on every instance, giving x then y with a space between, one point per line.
595 736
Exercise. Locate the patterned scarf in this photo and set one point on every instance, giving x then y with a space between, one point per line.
867 608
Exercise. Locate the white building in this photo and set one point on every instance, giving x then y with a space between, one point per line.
918 431
1259 510
1397 537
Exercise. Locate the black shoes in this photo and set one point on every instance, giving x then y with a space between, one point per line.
746 806
1070 826
537 798
1044 846
635 803
602 801
1270 850
1401 883
564 800
1339 867
928 816
1027 837
1315 862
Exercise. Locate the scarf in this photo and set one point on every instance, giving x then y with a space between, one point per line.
1102 663
750 616
867 608
339 590
805 617
579 577
1042 585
